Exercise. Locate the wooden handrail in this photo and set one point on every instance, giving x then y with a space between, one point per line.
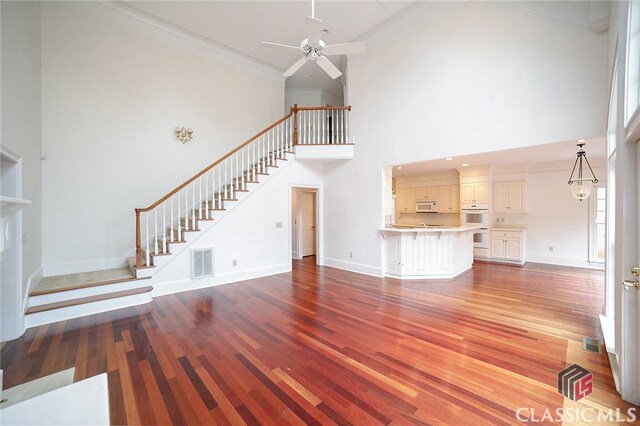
212 165
348 108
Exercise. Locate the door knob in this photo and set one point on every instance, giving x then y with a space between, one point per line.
631 284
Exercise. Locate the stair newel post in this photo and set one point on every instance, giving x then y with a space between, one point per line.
294 110
138 242
155 230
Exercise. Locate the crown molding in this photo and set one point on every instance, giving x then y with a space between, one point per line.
143 22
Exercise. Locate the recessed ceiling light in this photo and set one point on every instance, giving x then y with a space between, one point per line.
324 31
581 140
312 77
399 167
449 158
465 164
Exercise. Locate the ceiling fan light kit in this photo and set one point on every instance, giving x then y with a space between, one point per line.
315 49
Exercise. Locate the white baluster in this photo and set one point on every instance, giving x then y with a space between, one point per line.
200 198
171 221
179 224
206 196
148 263
342 126
155 230
186 209
164 230
193 205
347 126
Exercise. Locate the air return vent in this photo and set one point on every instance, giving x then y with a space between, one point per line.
201 263
590 344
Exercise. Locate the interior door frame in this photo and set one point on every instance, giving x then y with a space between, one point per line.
319 221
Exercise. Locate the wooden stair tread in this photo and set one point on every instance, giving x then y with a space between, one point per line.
89 299
59 283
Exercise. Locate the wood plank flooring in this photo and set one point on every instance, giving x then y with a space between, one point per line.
321 346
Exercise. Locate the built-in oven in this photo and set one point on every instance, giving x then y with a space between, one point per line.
481 239
475 214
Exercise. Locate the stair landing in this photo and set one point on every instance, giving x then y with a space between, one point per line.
58 283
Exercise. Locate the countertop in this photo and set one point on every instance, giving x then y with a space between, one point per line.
509 228
432 230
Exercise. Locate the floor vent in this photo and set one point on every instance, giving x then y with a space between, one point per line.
591 344
201 263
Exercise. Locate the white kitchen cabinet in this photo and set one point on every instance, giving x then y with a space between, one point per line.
429 193
508 245
449 198
509 197
477 192
406 199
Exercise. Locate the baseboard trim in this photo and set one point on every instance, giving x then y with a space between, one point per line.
171 287
360 268
562 261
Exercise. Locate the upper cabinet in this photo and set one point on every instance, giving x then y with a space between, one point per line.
448 198
406 199
474 192
427 193
509 197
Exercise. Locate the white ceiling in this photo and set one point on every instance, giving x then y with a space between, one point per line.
534 157
242 25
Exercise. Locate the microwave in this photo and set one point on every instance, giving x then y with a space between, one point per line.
427 207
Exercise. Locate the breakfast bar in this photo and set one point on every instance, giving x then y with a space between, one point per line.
427 252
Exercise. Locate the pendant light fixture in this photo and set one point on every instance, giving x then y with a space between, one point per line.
581 186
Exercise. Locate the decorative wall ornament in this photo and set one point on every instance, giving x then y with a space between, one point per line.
184 135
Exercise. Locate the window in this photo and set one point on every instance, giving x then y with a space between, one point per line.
633 63
598 226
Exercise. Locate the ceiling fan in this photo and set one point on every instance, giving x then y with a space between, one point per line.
314 49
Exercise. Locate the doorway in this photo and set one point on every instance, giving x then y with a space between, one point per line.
304 222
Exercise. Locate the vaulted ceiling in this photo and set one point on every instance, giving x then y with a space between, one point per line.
242 25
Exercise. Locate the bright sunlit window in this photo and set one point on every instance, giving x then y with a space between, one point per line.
598 225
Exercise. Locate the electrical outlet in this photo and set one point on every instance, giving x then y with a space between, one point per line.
350 255
235 262
551 248
278 224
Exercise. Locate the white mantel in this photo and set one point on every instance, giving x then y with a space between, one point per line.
428 253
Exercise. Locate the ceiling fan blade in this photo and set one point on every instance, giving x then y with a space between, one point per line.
286 46
314 26
295 67
345 48
328 67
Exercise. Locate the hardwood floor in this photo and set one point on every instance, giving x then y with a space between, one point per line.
320 345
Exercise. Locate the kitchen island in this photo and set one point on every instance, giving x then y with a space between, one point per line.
428 253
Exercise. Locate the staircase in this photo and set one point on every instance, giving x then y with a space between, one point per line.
171 224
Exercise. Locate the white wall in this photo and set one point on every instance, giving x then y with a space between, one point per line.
20 47
112 96
259 246
554 218
457 78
